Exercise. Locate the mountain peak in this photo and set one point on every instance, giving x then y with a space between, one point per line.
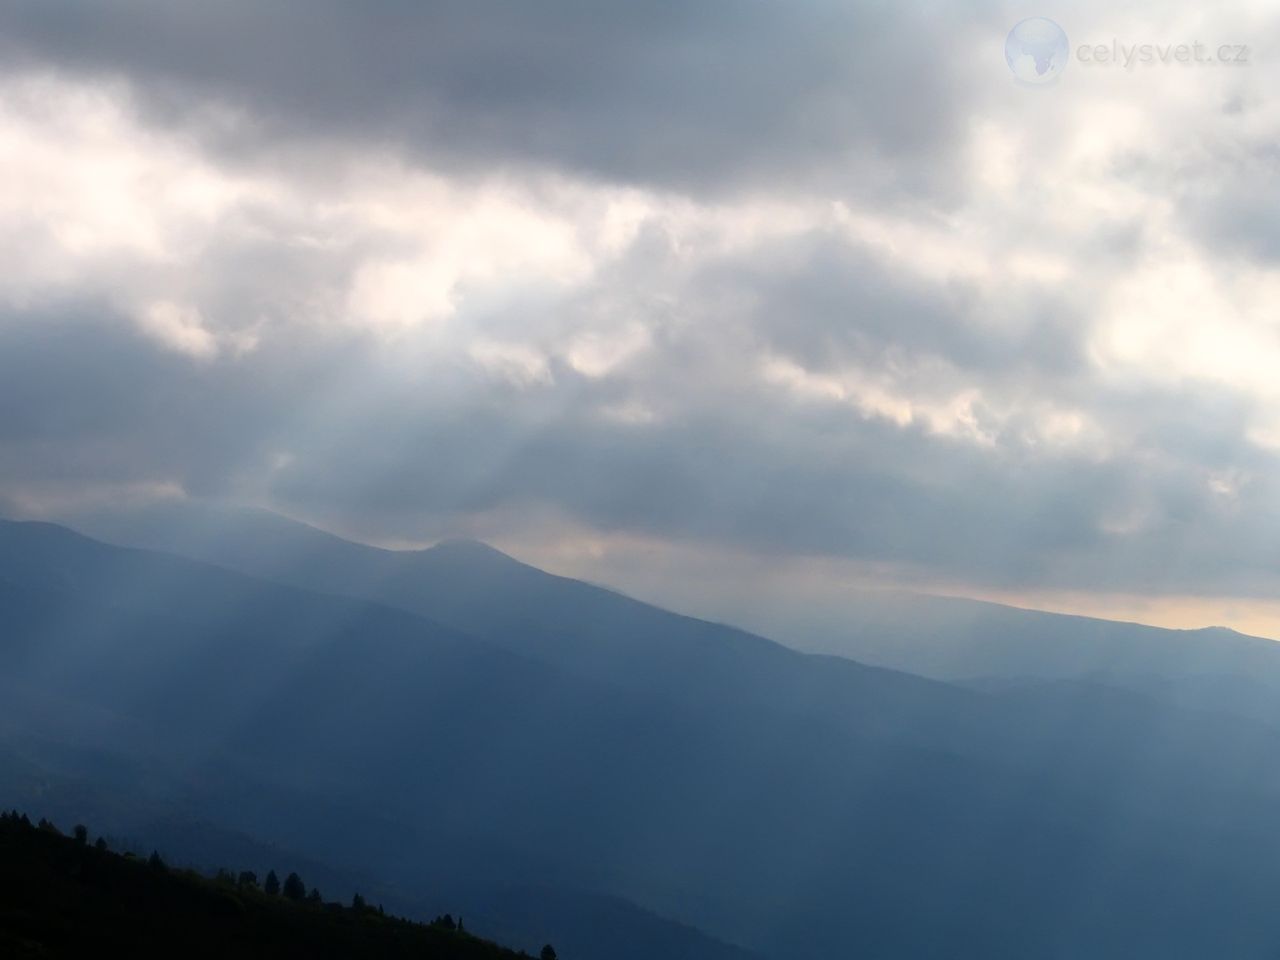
464 549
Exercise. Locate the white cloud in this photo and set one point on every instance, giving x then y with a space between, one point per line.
517 363
999 299
179 328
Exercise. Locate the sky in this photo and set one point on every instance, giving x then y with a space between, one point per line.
714 302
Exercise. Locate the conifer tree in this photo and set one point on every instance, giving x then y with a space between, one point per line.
294 888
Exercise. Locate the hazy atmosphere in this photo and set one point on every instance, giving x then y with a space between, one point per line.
681 479
807 294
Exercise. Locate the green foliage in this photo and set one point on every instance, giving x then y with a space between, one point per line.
62 899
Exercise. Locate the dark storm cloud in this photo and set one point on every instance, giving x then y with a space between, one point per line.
868 97
782 480
87 401
414 454
408 433
825 301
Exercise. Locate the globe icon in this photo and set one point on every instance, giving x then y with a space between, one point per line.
1036 50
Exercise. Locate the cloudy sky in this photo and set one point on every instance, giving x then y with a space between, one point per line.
702 299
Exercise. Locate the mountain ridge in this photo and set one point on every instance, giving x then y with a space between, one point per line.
954 640
175 526
792 803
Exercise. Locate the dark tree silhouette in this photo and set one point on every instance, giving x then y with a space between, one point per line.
49 883
272 884
294 888
548 953
81 833
357 902
100 845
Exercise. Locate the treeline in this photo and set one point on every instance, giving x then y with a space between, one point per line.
62 896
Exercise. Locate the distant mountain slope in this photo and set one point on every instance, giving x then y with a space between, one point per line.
580 923
841 809
137 670
938 637
962 640
593 632
60 898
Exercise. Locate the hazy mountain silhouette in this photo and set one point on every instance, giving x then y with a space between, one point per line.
985 643
963 641
553 735
592 632
167 684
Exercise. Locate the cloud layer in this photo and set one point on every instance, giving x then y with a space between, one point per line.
773 281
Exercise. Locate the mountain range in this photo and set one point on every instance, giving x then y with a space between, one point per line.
453 723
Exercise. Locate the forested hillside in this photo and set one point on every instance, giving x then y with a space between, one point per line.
65 896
